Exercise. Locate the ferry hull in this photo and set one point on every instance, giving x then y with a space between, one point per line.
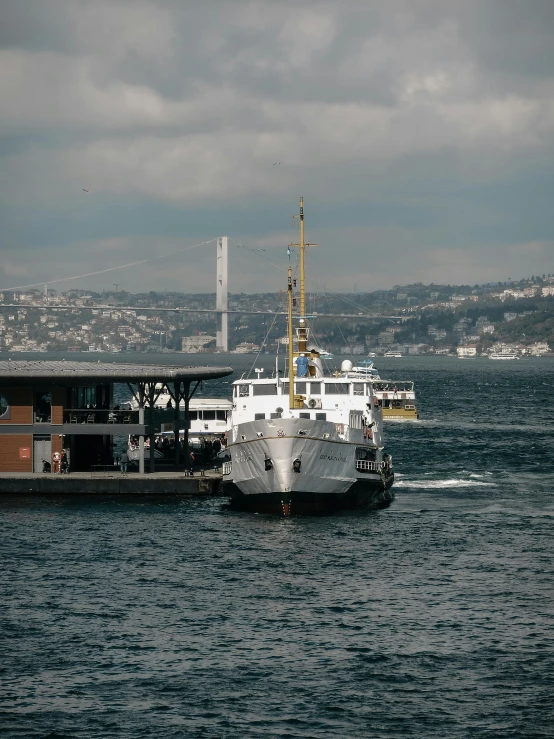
400 414
277 470
359 496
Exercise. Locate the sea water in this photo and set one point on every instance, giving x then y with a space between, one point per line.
433 618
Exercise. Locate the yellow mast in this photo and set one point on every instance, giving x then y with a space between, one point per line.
291 355
302 252
302 332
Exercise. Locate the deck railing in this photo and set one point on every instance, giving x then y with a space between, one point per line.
365 465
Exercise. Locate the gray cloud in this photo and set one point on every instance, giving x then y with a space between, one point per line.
419 132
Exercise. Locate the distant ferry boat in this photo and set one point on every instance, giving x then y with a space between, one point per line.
207 416
503 355
392 354
397 398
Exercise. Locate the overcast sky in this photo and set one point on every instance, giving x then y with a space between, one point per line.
420 133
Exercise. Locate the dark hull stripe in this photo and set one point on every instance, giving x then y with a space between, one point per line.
360 496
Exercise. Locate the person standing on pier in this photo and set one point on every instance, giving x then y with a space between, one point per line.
56 459
123 461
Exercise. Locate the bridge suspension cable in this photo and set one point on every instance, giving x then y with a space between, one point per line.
108 269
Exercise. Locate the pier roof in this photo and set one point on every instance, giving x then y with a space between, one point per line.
67 372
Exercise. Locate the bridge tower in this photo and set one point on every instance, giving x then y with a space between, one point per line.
221 294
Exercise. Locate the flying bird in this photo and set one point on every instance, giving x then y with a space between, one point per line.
274 163
86 190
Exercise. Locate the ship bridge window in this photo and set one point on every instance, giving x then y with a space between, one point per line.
209 416
359 388
300 388
243 391
259 416
265 389
320 416
221 415
193 415
303 415
337 388
315 388
275 415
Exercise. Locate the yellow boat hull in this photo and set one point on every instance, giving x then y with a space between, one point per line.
404 414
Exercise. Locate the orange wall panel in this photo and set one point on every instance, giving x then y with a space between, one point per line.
58 402
16 453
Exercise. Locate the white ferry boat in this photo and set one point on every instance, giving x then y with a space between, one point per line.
397 398
392 354
366 370
306 443
503 355
207 416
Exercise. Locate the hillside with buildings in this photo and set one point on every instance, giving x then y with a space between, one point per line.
412 319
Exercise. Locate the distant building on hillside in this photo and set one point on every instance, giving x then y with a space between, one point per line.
246 348
539 348
469 350
195 344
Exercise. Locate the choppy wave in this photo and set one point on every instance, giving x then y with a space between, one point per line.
453 482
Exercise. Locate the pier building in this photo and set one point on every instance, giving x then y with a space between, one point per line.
48 406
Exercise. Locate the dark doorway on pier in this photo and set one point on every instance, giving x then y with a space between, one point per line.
89 452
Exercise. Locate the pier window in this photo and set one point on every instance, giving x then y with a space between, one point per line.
264 389
43 406
4 408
